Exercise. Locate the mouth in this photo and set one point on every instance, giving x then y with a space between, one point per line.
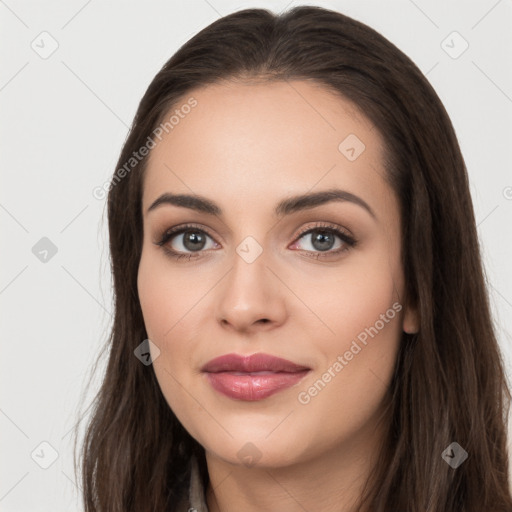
254 377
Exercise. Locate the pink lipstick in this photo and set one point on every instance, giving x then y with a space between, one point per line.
253 377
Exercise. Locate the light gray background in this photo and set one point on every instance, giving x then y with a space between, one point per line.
64 119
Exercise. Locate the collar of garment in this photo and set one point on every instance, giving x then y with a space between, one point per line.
195 499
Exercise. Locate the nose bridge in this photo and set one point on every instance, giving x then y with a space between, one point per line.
249 273
249 293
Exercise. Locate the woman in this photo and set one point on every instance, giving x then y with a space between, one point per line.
301 320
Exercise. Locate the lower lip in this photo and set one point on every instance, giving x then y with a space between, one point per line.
252 387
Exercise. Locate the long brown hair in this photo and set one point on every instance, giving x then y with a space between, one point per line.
449 383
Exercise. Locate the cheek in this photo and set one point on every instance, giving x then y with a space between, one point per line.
359 354
346 393
165 302
164 296
355 297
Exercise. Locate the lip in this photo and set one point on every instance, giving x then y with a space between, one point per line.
259 362
253 377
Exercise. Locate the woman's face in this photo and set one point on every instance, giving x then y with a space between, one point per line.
266 274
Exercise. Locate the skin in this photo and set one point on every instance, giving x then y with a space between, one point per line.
246 147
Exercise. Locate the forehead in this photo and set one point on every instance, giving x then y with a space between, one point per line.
252 142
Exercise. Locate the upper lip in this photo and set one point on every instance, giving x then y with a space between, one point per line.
253 363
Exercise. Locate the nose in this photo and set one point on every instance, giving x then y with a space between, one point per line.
250 297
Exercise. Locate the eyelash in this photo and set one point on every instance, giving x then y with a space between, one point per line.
348 241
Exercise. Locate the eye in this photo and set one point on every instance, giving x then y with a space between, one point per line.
185 238
322 239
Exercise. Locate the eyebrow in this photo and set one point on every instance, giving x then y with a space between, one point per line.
285 207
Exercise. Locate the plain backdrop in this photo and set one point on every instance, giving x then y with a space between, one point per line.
71 77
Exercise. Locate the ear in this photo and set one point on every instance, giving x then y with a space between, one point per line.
411 320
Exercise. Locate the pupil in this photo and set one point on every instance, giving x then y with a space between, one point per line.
323 241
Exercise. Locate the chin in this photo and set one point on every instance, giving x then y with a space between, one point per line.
245 449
